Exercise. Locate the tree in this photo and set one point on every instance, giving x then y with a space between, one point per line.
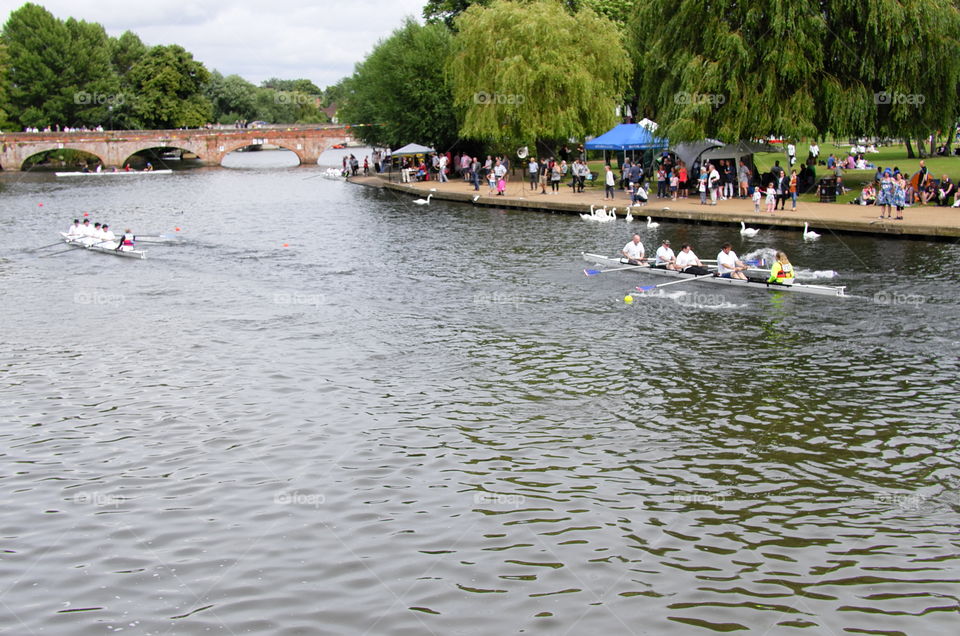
232 98
5 123
533 71
733 70
740 71
287 107
291 86
58 72
168 87
402 87
126 51
896 96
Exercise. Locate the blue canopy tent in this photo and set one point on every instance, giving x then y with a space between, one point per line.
627 137
624 137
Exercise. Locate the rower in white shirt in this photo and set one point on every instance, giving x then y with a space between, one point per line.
86 229
633 251
688 263
76 230
665 257
729 265
107 237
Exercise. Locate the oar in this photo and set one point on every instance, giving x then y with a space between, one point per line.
594 272
55 253
42 247
673 282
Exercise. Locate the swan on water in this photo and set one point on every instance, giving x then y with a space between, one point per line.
747 231
423 201
808 234
652 223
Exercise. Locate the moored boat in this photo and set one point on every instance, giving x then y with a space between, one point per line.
797 288
109 248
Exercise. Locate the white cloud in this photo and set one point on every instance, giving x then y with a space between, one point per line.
320 41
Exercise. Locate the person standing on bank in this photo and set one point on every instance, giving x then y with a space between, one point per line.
610 184
534 170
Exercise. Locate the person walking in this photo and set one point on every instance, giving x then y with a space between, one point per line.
610 183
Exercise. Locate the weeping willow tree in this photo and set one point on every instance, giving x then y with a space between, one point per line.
528 71
728 69
901 58
732 69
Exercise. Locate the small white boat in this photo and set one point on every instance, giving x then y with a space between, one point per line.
110 247
798 288
110 173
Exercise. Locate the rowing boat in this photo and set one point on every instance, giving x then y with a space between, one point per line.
108 173
109 248
799 288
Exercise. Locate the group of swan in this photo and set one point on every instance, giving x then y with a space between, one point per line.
603 215
600 214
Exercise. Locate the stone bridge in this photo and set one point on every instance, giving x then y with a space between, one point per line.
115 147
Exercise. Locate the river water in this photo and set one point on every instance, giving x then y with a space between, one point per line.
326 410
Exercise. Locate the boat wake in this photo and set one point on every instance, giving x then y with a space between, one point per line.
803 274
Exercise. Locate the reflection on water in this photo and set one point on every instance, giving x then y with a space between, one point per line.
325 410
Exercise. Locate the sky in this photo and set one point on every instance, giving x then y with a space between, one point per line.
320 40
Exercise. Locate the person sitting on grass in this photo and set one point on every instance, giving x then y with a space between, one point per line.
868 195
946 190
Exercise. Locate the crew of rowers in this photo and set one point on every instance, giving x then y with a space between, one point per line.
729 264
101 235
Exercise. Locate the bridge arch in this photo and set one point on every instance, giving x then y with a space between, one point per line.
52 150
291 145
135 151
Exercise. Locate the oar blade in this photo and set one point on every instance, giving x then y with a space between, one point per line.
592 272
646 288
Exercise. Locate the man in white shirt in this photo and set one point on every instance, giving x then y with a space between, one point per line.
86 229
729 265
107 235
534 170
688 262
791 153
633 251
75 230
713 183
665 257
442 169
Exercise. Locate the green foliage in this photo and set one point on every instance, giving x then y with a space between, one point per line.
292 86
524 72
732 70
58 72
232 98
167 85
283 107
125 52
447 11
402 87
5 123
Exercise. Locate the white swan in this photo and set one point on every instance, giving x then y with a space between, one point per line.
808 234
629 214
423 201
747 231
652 223
612 214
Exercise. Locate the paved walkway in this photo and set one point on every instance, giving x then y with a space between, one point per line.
920 221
